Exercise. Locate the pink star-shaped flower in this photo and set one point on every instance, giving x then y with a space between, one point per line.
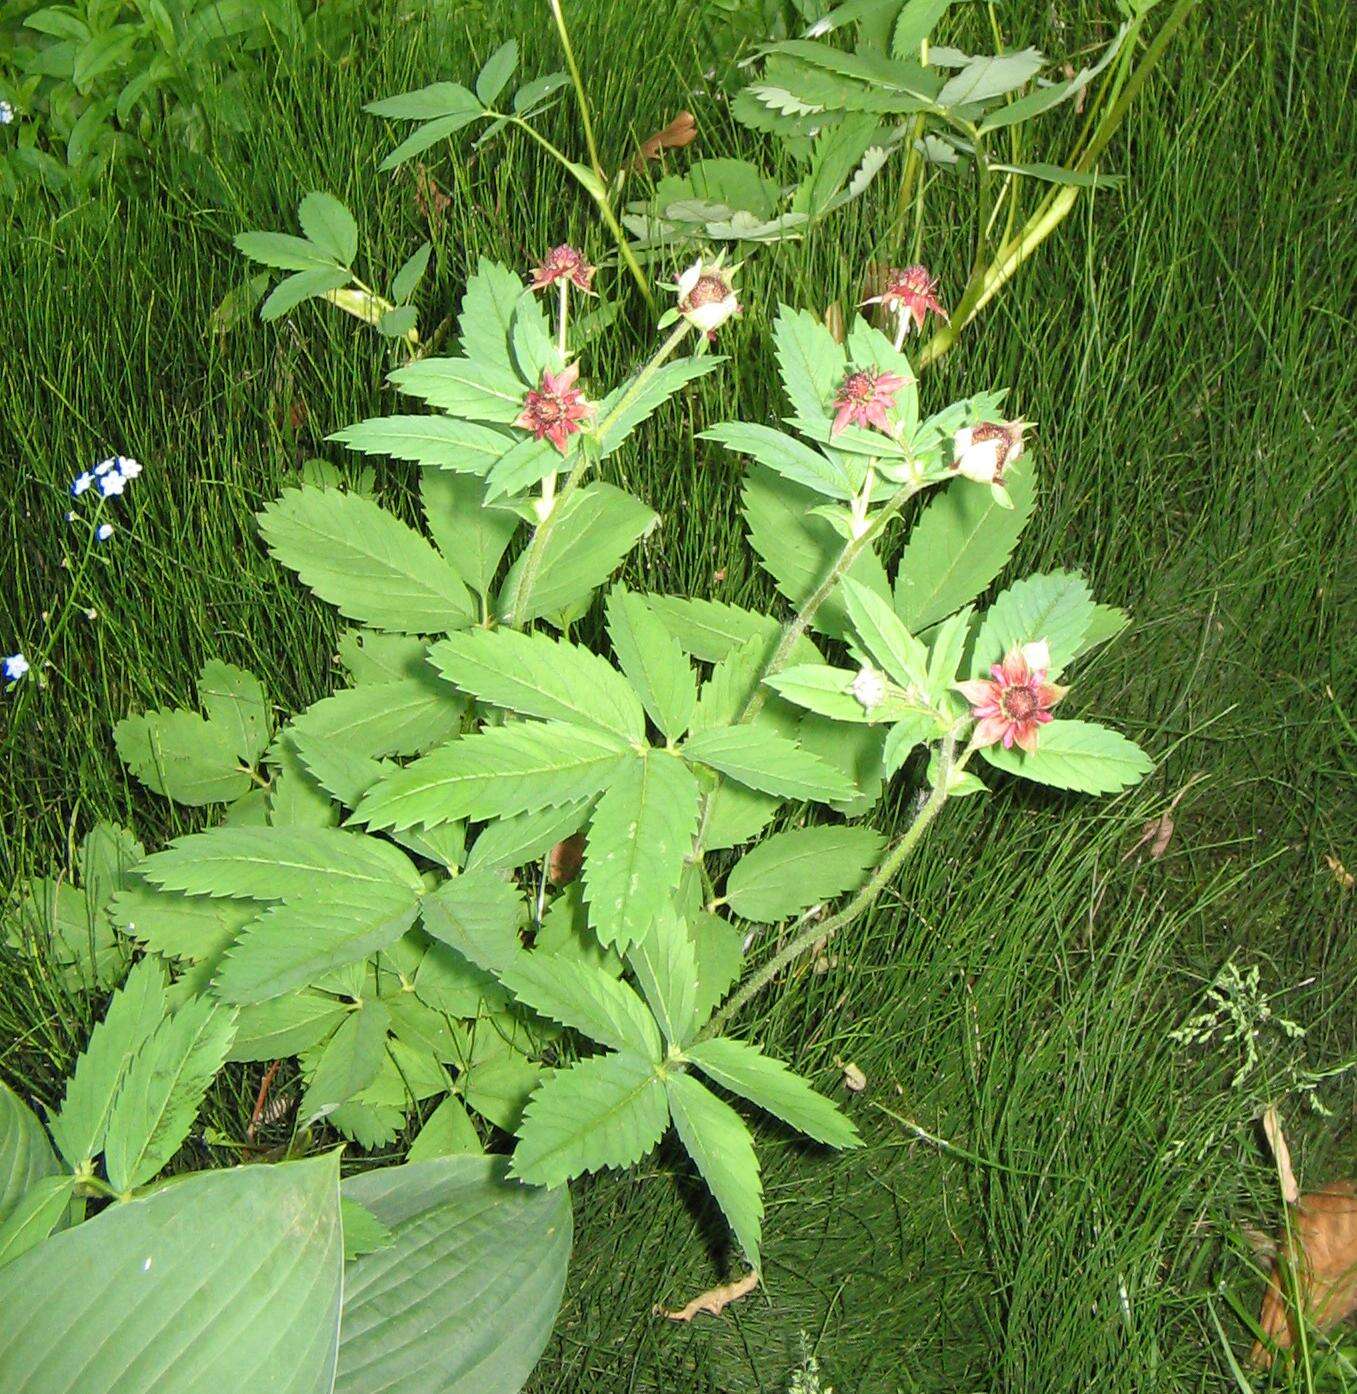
1015 701
864 398
563 263
555 409
911 293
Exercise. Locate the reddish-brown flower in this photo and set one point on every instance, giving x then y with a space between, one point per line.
555 410
1015 701
563 263
864 398
911 293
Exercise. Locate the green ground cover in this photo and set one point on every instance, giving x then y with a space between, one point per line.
1184 345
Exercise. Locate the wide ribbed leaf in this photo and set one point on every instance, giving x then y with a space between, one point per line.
463 1298
607 1111
226 1280
639 837
26 1155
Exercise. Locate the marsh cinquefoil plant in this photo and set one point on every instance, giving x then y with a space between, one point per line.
376 900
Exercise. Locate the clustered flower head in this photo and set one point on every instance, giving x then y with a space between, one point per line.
556 409
1015 701
564 263
110 477
864 398
706 298
13 667
909 292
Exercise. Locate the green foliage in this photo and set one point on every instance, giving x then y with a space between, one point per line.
1079 755
26 1156
791 871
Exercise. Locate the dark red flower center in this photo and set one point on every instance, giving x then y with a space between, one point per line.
709 290
544 409
859 386
1019 703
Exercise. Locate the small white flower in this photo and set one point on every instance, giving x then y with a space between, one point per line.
869 687
705 297
985 451
111 485
103 532
6 113
107 466
13 667
80 483
128 468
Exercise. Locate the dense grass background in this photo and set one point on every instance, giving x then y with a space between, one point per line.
1185 345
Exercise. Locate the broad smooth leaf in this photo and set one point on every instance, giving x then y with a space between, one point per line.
1078 755
162 1088
745 1070
133 1014
607 1111
653 661
225 1280
791 871
500 771
464 1297
1057 607
717 1140
962 541
25 1154
761 759
586 999
595 528
537 675
639 838
40 1210
365 561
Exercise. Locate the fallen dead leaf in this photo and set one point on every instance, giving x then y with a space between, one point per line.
1322 1256
1276 1140
714 1301
565 859
430 199
1341 874
681 131
853 1078
1158 832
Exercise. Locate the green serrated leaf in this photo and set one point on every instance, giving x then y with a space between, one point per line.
234 699
653 661
1057 607
791 871
426 103
586 999
430 133
665 964
447 442
447 1132
761 759
478 914
471 536
474 388
492 295
885 637
300 287
640 835
1079 755
285 1025
812 362
607 1111
498 69
406 717
837 478
329 226
366 562
286 253
183 756
348 1063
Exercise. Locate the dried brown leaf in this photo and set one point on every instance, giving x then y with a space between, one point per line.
565 859
1341 874
1276 1140
681 131
714 1301
1322 1257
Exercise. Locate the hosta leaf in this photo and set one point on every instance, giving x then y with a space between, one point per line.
653 661
365 561
594 529
665 964
812 362
280 863
464 1297
761 759
745 1070
1076 755
134 1012
234 700
199 1286
498 772
348 1063
378 719
717 1140
1057 607
285 1025
183 756
799 549
477 389
471 536
789 457
607 1111
162 1088
37 1212
584 998
25 1154
330 226
642 394
293 945
540 676
639 837
510 842
478 914
791 871
961 542
445 442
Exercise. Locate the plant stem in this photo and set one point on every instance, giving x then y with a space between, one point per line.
895 857
532 559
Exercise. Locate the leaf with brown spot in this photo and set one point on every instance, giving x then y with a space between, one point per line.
714 1301
1321 1256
